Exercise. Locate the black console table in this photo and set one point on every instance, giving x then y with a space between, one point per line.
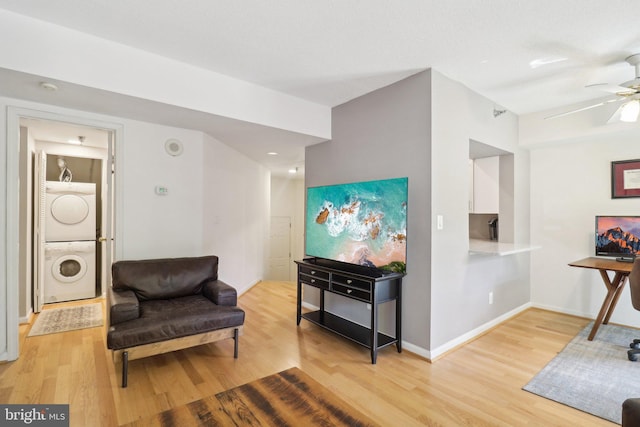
358 283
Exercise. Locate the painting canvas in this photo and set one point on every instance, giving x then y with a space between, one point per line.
362 223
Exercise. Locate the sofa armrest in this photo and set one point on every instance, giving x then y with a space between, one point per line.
220 293
123 306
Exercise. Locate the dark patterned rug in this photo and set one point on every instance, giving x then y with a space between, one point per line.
288 398
54 320
592 376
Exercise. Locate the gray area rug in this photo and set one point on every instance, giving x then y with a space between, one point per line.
64 319
592 376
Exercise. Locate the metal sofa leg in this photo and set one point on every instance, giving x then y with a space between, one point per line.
125 368
235 343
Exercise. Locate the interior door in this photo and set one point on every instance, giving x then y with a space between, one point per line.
280 245
39 210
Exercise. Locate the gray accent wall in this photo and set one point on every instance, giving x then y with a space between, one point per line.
386 134
420 127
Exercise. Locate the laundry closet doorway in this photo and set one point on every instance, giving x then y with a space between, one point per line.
61 162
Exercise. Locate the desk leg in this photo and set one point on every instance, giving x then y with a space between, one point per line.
618 284
613 294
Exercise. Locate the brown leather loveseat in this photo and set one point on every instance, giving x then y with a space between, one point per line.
161 305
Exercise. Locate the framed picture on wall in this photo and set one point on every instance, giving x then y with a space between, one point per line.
625 179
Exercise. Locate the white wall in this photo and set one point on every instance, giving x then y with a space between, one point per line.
460 282
235 214
161 226
570 185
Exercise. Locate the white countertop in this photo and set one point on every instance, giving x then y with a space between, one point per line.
491 247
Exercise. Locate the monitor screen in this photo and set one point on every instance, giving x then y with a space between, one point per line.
618 236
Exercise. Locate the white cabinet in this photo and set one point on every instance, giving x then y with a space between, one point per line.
485 185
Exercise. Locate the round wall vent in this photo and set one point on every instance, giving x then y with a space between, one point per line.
173 147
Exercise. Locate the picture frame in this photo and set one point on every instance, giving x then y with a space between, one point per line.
625 179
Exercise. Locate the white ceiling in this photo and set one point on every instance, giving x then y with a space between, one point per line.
330 52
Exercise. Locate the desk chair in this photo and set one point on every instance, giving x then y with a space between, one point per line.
634 288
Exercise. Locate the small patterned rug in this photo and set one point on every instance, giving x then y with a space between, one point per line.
54 320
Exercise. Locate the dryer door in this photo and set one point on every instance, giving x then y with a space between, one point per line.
69 209
69 268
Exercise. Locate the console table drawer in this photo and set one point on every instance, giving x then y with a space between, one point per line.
351 292
314 281
351 282
309 271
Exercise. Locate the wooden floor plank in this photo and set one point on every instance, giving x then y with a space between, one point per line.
478 384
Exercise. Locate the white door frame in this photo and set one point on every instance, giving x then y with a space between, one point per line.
13 197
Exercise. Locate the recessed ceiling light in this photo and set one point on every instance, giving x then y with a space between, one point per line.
48 86
272 153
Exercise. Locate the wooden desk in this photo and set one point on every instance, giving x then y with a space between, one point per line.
621 271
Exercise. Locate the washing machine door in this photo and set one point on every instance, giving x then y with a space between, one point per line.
69 268
69 209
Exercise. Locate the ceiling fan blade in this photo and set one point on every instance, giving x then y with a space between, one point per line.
606 87
615 117
566 113
618 115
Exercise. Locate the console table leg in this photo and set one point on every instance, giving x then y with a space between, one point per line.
399 316
374 331
299 307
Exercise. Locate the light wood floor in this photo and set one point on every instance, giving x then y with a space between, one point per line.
478 384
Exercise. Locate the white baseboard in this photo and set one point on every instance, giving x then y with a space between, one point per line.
433 354
423 352
309 306
563 310
26 319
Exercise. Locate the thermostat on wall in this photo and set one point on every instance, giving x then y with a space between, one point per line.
161 190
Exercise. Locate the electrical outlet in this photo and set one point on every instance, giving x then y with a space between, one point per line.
490 297
368 306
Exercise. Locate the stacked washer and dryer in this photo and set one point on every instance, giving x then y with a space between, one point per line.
70 241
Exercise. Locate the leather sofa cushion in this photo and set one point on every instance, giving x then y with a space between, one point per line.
164 278
161 320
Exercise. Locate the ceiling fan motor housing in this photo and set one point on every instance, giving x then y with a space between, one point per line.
634 84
